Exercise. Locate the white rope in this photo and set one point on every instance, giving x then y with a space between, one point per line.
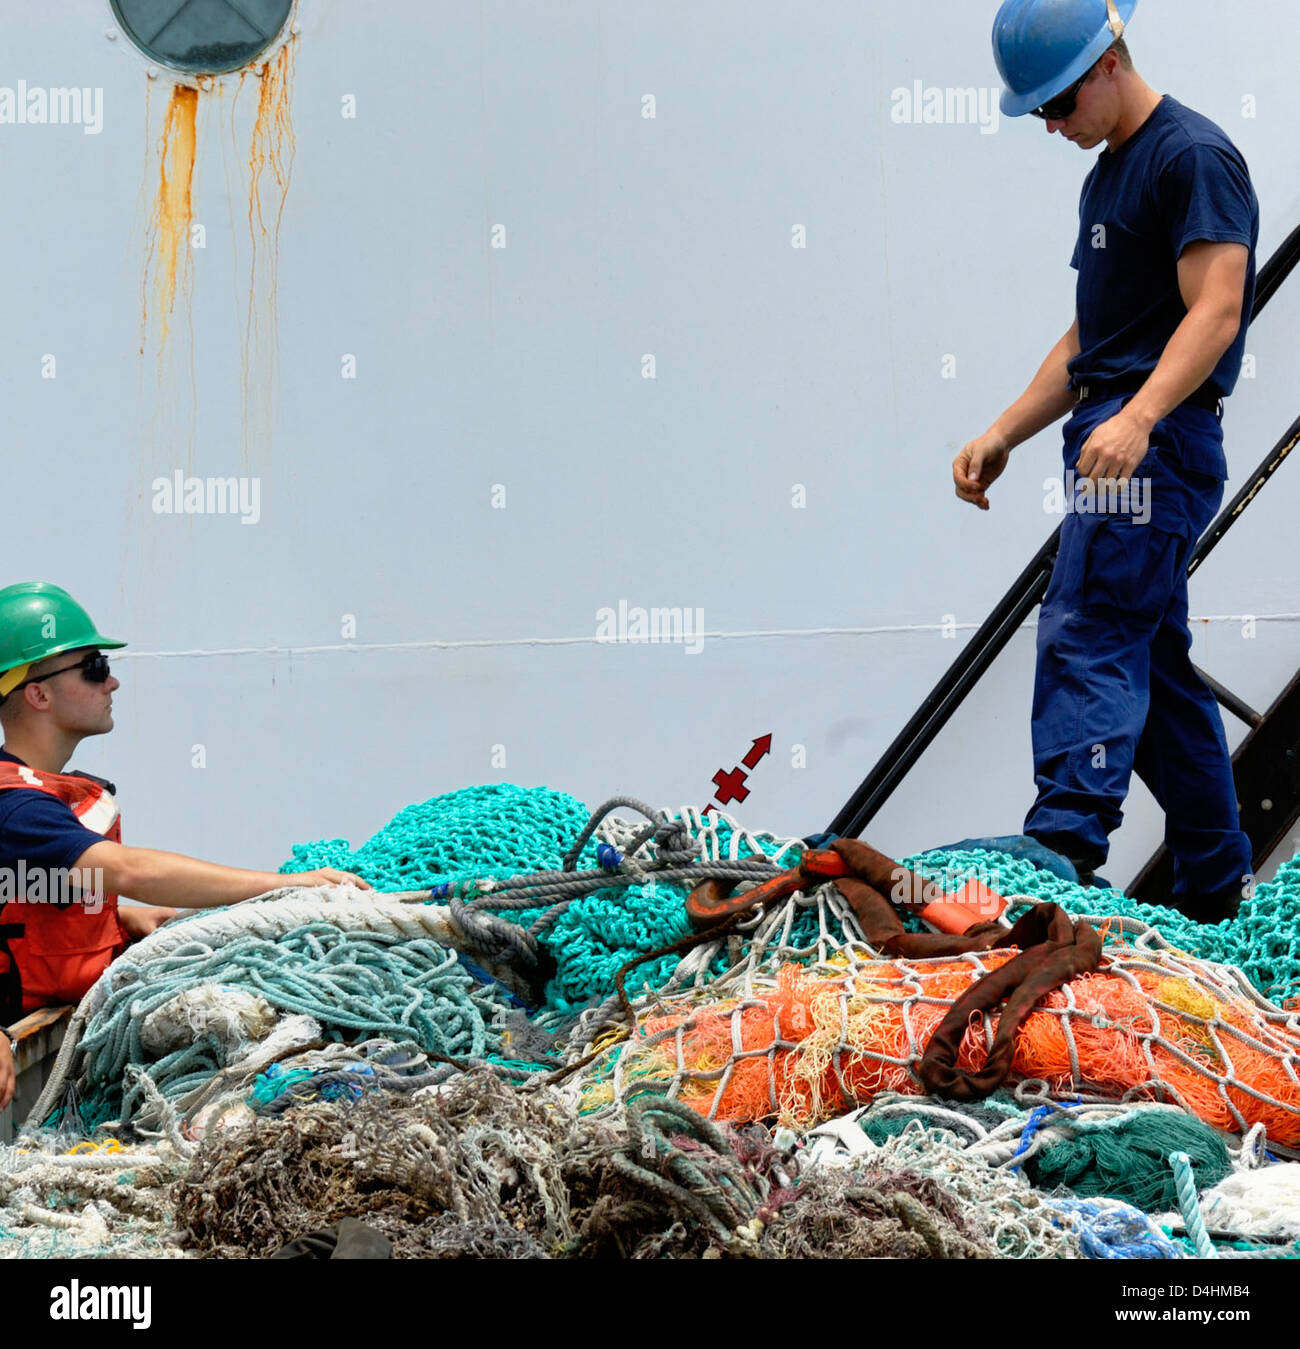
17 1162
1260 1203
591 639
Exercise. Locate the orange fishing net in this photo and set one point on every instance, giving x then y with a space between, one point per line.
810 1043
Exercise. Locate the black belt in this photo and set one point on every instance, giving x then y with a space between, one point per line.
1204 397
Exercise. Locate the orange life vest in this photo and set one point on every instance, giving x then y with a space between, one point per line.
52 953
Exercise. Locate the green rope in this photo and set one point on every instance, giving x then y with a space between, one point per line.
1189 1205
1127 1158
370 983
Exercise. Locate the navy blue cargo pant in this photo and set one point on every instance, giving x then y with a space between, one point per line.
1115 690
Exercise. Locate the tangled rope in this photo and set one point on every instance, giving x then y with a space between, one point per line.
469 1169
505 861
372 983
1116 1151
90 1201
480 1169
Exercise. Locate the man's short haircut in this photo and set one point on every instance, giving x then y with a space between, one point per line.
13 701
1120 48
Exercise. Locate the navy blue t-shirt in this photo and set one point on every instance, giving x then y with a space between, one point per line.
39 828
1178 179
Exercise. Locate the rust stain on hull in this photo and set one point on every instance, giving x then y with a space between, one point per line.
270 168
169 262
273 149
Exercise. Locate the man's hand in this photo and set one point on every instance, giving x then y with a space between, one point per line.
326 876
8 1077
139 920
978 465
1115 448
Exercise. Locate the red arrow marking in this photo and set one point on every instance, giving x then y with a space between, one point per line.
731 786
757 750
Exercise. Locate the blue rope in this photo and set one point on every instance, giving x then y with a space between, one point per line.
1112 1230
1032 1125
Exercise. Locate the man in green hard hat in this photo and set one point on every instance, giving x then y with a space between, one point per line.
62 860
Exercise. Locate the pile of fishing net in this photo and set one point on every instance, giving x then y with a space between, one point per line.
475 1168
790 1014
305 1054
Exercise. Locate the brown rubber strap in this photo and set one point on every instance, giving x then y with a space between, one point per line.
884 930
876 876
1053 950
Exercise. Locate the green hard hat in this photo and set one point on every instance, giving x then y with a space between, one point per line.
39 620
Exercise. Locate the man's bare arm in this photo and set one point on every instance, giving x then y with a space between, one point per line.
1212 280
8 1077
168 878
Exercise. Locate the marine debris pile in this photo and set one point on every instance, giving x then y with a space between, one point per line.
523 1047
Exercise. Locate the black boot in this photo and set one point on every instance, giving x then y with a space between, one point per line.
1212 908
1085 866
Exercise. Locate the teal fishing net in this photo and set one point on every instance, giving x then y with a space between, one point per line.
495 830
500 830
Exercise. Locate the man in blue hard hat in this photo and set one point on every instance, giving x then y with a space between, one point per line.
1168 224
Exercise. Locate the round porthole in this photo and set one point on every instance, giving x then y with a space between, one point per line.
202 37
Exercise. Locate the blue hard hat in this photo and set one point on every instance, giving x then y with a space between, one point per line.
1043 46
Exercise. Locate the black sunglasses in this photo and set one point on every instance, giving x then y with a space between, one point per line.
93 667
1059 108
